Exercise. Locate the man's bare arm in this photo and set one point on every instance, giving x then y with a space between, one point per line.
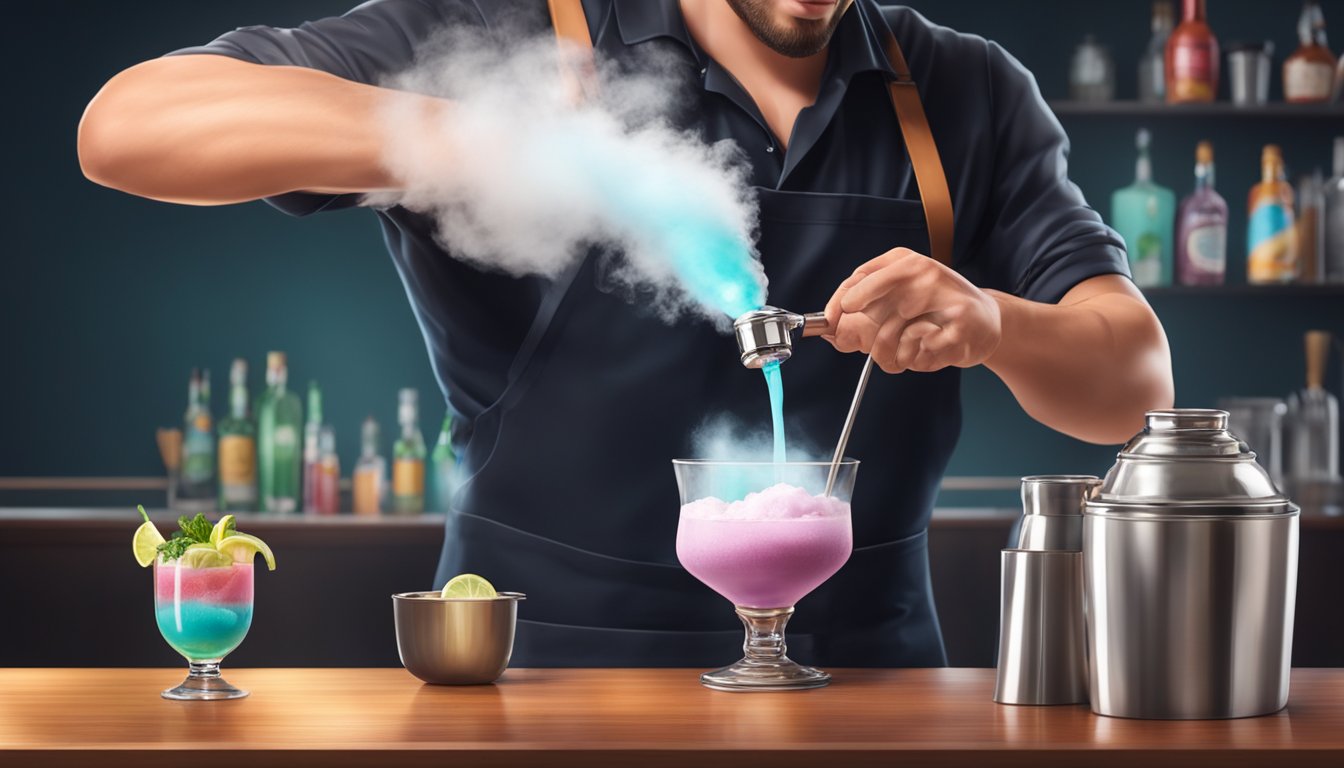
211 130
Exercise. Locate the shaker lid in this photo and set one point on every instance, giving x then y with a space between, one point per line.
1186 462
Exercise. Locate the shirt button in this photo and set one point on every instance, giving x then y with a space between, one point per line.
769 149
703 70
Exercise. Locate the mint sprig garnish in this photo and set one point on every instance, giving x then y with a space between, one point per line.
194 531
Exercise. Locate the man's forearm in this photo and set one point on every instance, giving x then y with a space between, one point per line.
210 130
1089 366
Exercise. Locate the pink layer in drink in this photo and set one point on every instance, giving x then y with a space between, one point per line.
767 550
231 585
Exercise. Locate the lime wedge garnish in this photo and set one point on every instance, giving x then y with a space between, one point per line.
146 543
242 547
468 586
221 529
204 556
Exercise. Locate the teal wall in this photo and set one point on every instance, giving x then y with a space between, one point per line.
108 301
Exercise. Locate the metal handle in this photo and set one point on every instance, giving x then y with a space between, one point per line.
849 423
815 324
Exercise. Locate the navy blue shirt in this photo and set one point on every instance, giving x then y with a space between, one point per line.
1021 225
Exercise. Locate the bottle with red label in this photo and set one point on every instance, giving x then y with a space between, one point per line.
1192 57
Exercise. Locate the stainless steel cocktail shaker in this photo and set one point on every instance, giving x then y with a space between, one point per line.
1190 574
1042 645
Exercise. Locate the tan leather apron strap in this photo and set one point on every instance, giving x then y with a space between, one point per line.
571 26
929 176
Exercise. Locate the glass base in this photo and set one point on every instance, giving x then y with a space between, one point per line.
765 667
203 683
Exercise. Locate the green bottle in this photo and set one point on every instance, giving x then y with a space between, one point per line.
445 466
196 489
408 458
238 448
279 424
1145 216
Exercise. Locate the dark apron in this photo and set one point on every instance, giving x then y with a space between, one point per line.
570 495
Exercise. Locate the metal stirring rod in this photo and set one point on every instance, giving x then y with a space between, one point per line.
849 424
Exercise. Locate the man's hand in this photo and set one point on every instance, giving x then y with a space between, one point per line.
912 313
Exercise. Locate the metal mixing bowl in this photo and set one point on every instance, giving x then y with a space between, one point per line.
455 641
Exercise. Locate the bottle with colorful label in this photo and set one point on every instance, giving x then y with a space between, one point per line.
279 421
312 449
1144 213
1309 73
328 485
1192 57
1201 227
370 476
196 487
1272 235
408 458
238 447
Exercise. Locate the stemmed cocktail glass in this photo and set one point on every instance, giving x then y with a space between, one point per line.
764 535
204 613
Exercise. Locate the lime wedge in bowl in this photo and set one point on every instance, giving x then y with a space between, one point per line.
468 586
242 547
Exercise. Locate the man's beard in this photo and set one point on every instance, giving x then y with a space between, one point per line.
804 38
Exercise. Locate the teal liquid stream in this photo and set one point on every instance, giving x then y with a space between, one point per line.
774 381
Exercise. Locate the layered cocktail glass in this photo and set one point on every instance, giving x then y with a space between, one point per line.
764 535
203 613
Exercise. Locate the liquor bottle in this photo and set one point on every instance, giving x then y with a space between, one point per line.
1092 72
370 476
1271 235
312 450
1192 57
279 419
196 488
1143 213
445 466
1312 422
1332 247
328 485
1310 228
1201 227
408 458
1308 74
238 447
1153 66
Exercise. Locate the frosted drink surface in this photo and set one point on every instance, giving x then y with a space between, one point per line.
767 550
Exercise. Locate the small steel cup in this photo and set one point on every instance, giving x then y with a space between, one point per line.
455 641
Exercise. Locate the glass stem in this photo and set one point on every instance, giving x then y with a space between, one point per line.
765 633
203 670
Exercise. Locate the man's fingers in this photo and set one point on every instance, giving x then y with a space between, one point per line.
939 349
916 333
910 282
886 344
833 310
854 333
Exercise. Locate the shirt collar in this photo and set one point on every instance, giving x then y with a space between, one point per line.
857 46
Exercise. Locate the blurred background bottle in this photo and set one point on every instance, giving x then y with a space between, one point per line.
196 489
1310 226
1309 73
1091 72
1201 227
312 450
1271 233
445 466
1152 65
1144 213
370 475
1192 57
408 457
1312 423
328 485
279 419
238 447
1332 243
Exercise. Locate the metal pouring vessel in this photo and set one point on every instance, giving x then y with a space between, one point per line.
765 335
1190 576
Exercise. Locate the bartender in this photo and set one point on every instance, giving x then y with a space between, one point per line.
911 180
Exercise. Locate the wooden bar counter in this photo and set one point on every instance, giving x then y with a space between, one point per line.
625 717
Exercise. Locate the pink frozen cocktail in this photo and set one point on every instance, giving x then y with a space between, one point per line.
767 550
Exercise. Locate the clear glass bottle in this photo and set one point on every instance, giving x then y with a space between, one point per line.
1271 233
1201 227
1309 73
328 485
279 421
370 476
1091 72
196 487
445 466
1144 214
1332 245
1152 65
1312 422
312 449
408 458
238 447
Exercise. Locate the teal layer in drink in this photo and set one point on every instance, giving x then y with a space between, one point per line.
206 631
